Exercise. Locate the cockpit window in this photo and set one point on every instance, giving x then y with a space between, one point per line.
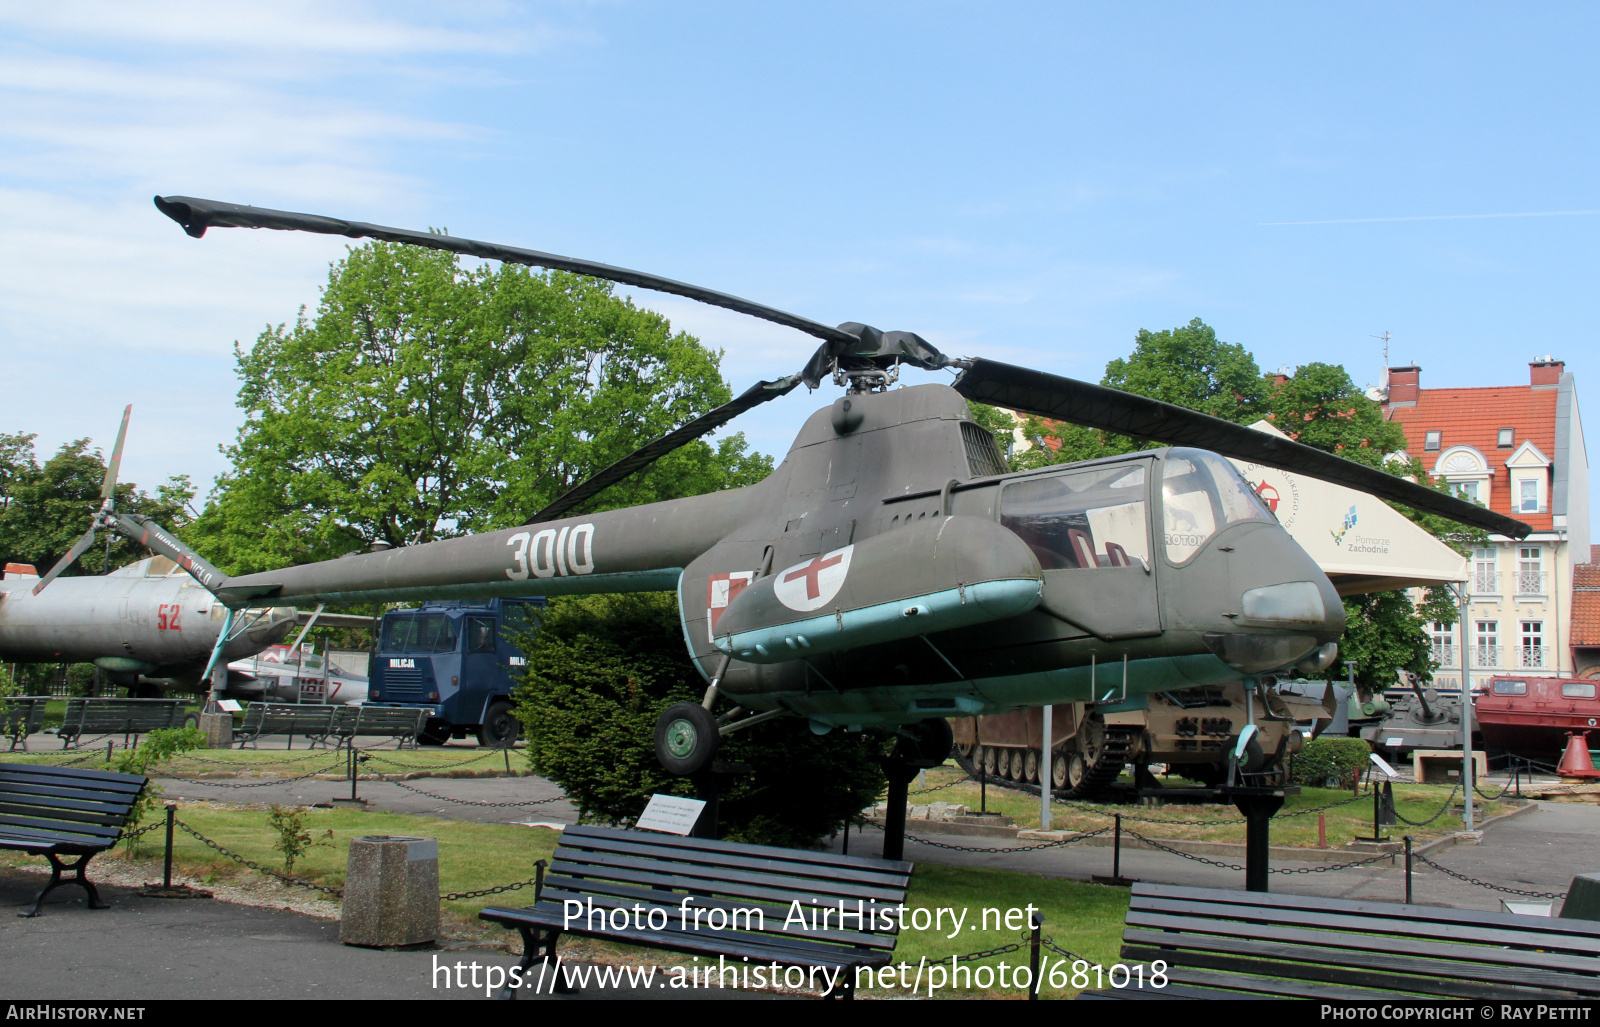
1202 494
422 634
1083 519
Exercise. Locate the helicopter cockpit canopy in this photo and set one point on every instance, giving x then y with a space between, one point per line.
1201 494
1081 519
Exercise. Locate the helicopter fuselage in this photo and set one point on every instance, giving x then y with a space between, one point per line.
891 570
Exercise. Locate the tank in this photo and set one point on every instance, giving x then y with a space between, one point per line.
1193 731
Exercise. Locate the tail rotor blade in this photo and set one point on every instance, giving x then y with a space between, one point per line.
108 489
66 561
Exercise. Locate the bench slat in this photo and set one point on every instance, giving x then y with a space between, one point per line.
670 876
60 827
666 842
741 861
103 779
1370 970
607 897
1192 926
1275 988
9 806
730 871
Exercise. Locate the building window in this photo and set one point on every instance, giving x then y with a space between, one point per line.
1485 572
1442 639
1530 571
1467 489
1532 643
1508 438
1528 495
1486 650
1430 441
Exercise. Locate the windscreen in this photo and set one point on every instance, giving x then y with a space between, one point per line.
1201 494
1081 519
424 633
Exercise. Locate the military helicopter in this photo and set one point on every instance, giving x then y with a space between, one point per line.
891 572
150 624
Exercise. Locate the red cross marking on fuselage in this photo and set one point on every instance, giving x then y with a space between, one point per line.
811 572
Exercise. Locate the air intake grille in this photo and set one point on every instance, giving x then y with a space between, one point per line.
983 453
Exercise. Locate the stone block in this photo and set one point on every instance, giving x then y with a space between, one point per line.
391 891
218 729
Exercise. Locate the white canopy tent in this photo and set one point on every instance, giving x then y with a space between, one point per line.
1357 539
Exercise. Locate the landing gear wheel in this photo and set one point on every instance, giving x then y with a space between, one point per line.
686 738
925 744
500 728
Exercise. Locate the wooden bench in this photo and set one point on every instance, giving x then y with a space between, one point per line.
21 716
680 894
1235 944
128 717
63 811
268 718
402 722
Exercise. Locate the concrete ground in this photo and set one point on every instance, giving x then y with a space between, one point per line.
151 948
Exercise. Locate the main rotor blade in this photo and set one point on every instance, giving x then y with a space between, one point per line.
196 215
62 564
1096 406
157 539
640 458
108 488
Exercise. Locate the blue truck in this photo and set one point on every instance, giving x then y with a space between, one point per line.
454 657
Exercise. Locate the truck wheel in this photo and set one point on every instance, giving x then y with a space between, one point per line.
434 734
686 738
500 728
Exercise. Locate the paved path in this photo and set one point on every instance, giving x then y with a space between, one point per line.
151 948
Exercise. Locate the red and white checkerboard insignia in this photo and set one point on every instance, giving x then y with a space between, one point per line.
720 590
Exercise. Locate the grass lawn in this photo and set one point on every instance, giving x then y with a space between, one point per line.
1083 918
288 762
1223 823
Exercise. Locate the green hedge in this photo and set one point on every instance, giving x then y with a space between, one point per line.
1324 758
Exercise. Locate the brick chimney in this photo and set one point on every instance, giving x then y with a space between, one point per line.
1405 384
1545 373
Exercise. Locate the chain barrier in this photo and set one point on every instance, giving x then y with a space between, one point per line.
1436 816
1320 809
475 802
259 784
1271 870
252 765
285 878
1009 848
1050 943
1491 798
1485 884
496 890
431 766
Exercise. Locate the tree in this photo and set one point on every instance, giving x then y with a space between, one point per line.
425 400
1187 366
600 669
45 509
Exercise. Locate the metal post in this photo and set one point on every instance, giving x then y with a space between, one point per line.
1322 830
507 753
1033 958
108 750
1408 870
166 870
844 849
894 819
352 771
1116 849
1045 779
1463 603
538 878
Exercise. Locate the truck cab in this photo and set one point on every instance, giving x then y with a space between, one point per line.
456 658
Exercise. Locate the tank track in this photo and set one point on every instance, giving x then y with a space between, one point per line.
1113 757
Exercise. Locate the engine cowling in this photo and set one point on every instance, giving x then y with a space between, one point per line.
934 575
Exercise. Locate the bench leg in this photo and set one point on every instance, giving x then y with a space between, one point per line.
538 946
56 867
845 989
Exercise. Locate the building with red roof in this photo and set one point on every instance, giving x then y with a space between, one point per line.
1586 618
1519 450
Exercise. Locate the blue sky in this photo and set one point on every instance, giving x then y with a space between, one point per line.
1030 182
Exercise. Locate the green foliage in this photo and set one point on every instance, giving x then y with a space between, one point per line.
1324 758
45 508
1187 366
155 749
1321 407
425 400
293 838
600 671
80 679
9 685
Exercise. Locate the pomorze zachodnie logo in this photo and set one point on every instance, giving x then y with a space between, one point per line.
1349 522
